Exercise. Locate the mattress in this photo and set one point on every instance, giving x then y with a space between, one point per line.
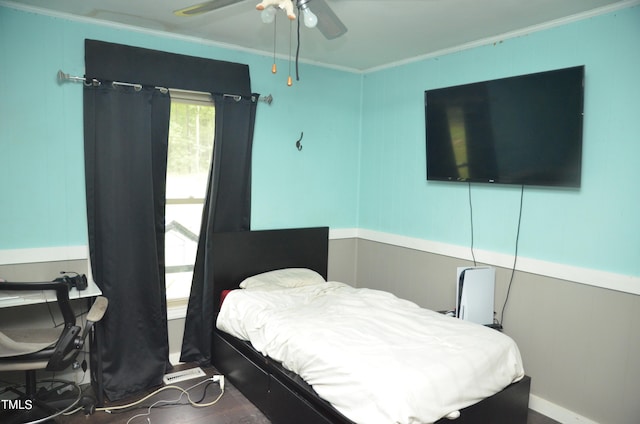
375 357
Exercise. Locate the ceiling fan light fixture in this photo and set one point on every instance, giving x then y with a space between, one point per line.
268 14
310 19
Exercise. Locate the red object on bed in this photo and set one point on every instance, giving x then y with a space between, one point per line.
223 295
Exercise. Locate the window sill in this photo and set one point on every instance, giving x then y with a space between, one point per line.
177 310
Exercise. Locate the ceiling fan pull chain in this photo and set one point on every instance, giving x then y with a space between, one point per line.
289 80
274 69
298 53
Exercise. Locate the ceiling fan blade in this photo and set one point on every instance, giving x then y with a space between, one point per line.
328 22
200 8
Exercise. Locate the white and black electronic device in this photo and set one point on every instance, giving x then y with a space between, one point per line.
475 291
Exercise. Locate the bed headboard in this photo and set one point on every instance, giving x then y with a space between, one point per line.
238 255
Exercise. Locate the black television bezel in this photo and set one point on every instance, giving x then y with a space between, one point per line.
576 184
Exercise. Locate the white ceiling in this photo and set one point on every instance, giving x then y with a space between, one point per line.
380 32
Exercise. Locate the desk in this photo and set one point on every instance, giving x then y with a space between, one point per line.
11 298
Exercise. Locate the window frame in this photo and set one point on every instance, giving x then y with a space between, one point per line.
177 307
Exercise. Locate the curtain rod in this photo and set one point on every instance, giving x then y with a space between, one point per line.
62 77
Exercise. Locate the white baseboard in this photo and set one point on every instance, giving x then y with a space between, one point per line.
603 279
557 412
43 254
593 277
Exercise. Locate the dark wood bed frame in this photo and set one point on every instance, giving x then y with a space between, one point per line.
280 394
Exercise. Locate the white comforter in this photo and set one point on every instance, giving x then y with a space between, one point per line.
376 358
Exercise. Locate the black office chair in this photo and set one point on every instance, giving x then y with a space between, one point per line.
51 349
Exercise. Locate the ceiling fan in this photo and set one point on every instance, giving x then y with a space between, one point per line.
326 20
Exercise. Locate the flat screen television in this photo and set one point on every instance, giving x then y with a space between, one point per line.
524 130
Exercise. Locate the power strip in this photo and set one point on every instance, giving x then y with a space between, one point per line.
176 377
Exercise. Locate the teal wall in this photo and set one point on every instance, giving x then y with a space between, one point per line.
595 227
362 164
42 201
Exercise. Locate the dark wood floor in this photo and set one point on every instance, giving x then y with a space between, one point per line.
233 408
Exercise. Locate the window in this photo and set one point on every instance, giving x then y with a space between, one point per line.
458 134
191 132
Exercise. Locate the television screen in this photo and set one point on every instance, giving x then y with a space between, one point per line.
524 130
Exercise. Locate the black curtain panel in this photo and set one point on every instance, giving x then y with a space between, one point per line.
126 134
227 208
125 161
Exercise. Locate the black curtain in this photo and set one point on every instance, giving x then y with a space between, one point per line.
227 208
126 134
125 164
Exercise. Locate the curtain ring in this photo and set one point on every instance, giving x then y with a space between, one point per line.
235 97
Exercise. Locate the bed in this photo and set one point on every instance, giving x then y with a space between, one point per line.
282 395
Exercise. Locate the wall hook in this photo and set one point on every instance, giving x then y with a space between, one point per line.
298 143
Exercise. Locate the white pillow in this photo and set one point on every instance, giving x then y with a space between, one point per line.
283 278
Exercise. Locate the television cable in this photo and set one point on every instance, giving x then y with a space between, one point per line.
515 258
